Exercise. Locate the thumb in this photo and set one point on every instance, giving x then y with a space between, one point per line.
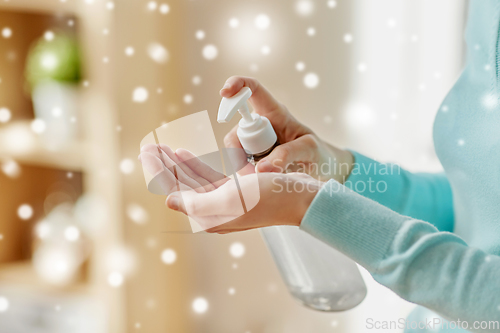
262 100
303 149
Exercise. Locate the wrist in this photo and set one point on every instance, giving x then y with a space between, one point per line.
343 163
305 201
346 162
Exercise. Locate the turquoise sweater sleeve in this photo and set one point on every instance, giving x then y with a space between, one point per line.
421 264
423 196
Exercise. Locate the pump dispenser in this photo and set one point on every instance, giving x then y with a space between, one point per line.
316 274
255 132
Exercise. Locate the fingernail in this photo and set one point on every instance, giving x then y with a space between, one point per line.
226 86
173 202
264 166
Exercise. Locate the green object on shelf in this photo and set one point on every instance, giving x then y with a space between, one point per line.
57 59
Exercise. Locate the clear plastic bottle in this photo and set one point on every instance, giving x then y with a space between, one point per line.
316 274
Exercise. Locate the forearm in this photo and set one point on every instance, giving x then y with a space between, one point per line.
423 196
434 269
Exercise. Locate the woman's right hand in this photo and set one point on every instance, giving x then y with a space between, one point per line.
217 203
300 149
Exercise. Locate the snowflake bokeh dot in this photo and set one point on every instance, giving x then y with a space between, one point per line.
25 212
168 256
237 250
200 305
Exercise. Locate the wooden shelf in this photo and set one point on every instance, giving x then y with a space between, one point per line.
46 6
23 274
19 142
98 155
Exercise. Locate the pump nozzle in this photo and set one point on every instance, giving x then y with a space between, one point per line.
229 106
255 132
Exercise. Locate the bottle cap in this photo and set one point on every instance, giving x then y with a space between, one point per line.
255 132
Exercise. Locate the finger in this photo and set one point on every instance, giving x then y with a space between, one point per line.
224 201
207 186
163 176
262 100
236 161
227 230
201 168
302 175
208 223
151 163
179 173
152 149
303 149
167 156
231 139
175 202
247 170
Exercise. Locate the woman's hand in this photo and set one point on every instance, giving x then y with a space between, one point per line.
300 149
176 174
279 199
220 204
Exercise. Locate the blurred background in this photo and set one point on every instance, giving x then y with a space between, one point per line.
84 247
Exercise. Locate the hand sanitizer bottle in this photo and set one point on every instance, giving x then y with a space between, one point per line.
255 132
316 274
